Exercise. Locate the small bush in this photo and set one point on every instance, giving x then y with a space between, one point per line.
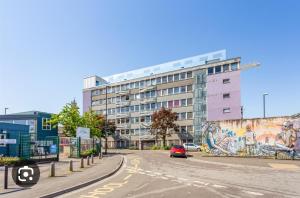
166 147
9 160
88 152
154 147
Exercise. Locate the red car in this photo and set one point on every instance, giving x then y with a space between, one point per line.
177 151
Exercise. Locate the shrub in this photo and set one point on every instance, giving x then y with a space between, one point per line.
9 160
154 147
166 147
88 152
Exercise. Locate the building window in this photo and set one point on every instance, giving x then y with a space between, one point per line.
183 89
170 78
170 104
226 80
190 115
182 76
189 88
164 92
176 90
183 102
226 110
153 81
176 103
176 77
170 91
190 101
158 80
164 79
183 116
190 129
46 125
218 69
210 71
137 84
226 68
189 74
234 66
164 104
226 95
2 136
142 84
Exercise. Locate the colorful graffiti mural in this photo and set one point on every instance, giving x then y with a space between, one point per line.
253 137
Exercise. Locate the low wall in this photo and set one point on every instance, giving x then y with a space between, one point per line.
257 137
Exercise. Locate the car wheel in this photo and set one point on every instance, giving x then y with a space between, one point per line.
171 156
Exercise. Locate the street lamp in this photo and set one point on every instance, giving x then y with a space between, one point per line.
264 103
106 119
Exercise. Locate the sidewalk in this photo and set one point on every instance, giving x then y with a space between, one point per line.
260 162
63 179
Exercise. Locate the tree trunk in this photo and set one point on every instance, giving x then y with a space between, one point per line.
105 145
164 140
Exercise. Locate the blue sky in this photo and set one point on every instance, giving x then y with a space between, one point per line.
48 47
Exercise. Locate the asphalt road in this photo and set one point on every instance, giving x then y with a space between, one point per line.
155 174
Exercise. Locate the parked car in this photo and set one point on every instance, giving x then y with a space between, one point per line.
191 147
177 151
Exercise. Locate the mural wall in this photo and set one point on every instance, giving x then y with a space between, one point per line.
253 137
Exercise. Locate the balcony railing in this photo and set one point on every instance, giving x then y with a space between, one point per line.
123 126
146 112
147 100
123 103
122 115
148 88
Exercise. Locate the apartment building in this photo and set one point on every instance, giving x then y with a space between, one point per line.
199 89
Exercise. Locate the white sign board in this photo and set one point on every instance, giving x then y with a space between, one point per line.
8 141
83 133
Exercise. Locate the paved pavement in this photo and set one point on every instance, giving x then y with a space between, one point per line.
154 174
63 179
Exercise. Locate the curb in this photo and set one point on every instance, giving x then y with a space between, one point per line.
67 190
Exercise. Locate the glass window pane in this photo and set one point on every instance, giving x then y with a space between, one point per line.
170 78
189 74
176 77
210 71
218 69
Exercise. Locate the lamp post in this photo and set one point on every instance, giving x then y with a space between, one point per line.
264 103
106 120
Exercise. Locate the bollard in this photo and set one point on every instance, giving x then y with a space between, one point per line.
71 166
81 163
92 159
52 169
5 176
88 160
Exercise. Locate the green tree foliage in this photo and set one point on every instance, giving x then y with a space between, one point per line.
162 121
91 120
69 117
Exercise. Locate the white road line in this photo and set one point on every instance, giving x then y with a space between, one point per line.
253 193
170 176
127 177
198 186
184 179
203 183
219 186
164 178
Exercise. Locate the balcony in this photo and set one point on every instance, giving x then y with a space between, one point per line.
123 126
146 112
123 115
123 92
145 124
148 100
123 103
148 88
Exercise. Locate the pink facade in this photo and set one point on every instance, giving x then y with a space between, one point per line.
87 100
223 98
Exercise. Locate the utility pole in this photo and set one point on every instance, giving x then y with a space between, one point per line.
264 103
106 120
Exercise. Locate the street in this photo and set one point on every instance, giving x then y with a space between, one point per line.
155 174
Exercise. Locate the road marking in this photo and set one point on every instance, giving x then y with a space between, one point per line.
180 178
196 185
170 176
127 177
164 178
219 186
253 193
203 183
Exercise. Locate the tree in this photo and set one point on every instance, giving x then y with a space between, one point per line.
69 117
92 121
111 129
162 121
